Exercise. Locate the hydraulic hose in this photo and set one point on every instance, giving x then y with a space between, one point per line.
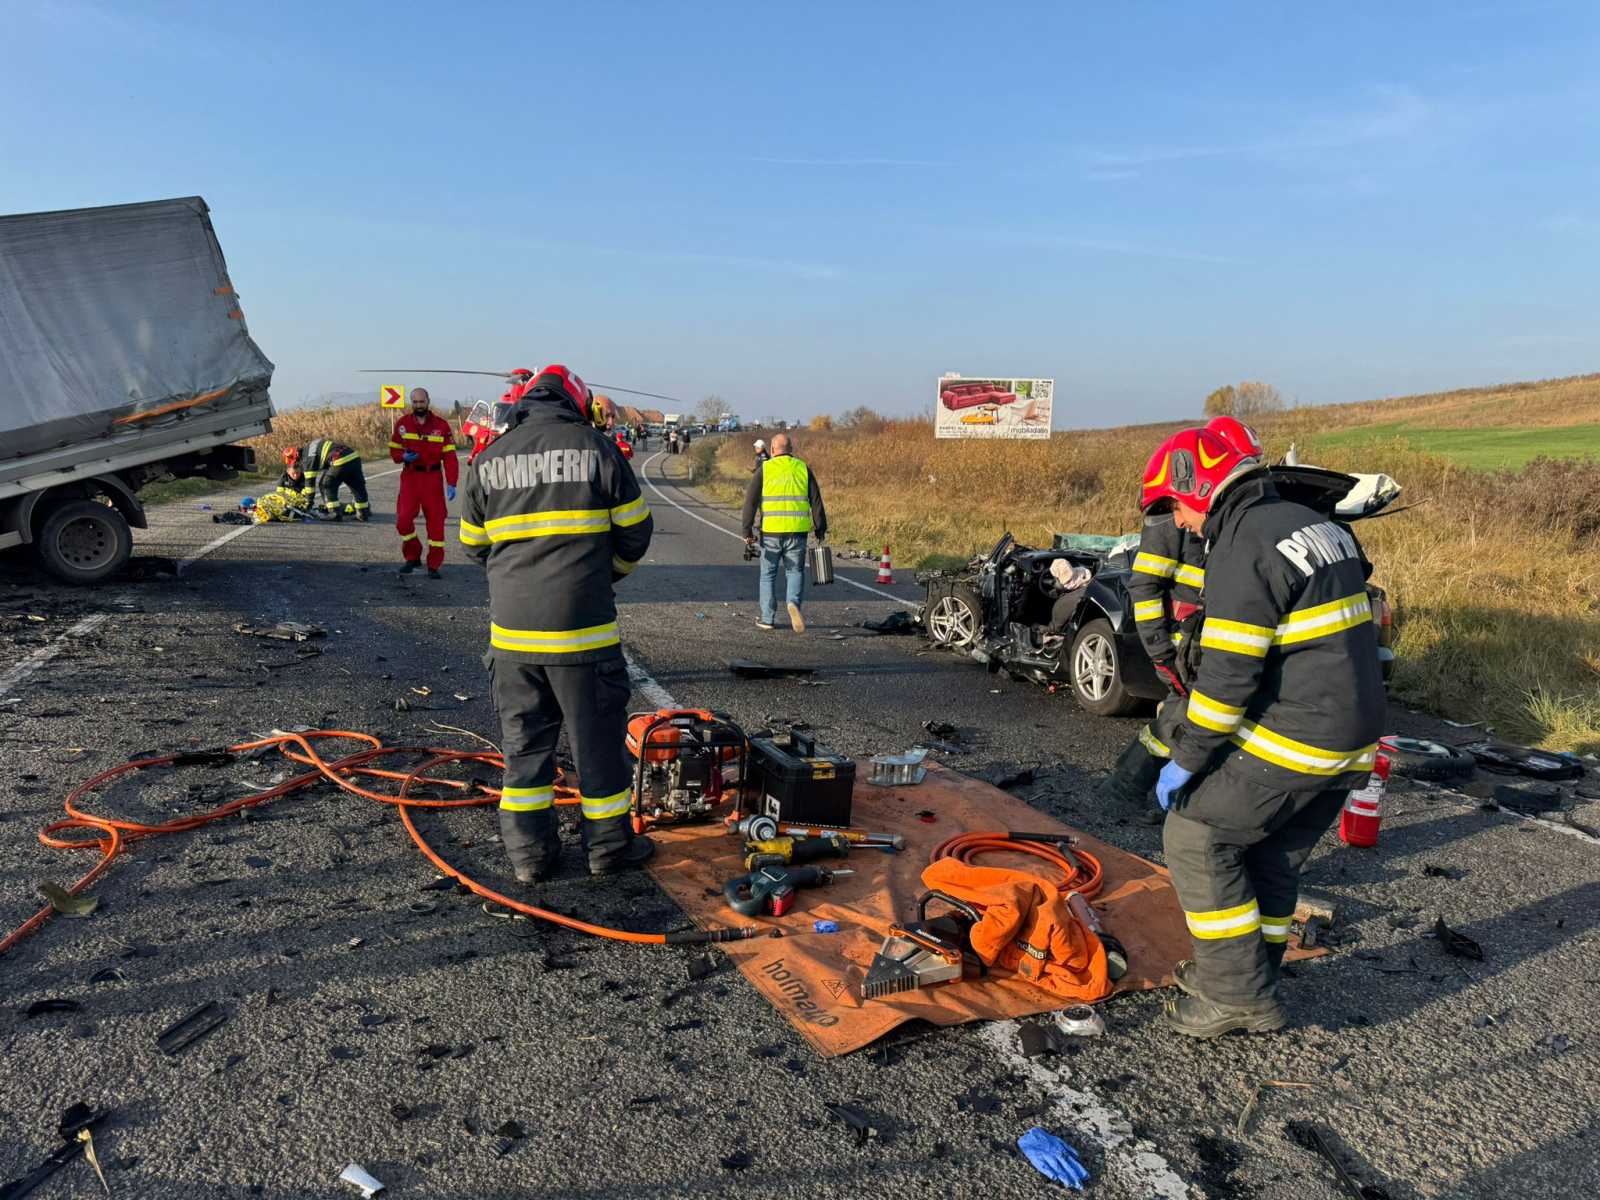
112 837
1081 871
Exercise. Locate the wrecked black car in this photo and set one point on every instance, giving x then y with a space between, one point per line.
1029 613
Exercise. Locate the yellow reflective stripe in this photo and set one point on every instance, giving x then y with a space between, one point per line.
622 566
630 513
1154 564
554 641
1305 624
408 537
1213 714
363 504
1149 610
1194 577
1152 743
431 542
1298 756
396 446
527 799
1224 922
473 535
1237 636
598 808
412 437
434 437
450 446
1275 929
552 523
348 458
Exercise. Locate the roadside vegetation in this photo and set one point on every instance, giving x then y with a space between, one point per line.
1495 574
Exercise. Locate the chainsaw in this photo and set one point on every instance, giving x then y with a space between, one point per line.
923 953
680 761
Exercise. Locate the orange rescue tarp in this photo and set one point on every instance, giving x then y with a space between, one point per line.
814 979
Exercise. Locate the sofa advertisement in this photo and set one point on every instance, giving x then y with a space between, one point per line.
992 408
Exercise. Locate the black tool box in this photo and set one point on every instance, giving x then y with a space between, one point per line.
798 782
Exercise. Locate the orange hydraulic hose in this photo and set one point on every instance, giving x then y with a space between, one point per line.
1081 871
113 837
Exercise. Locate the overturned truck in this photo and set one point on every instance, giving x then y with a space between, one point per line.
124 359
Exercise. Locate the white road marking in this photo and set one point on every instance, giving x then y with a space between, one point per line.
733 533
217 543
48 651
643 683
1076 1113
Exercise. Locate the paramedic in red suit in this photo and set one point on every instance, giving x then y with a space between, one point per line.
426 450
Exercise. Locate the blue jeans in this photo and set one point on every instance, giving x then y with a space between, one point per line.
787 550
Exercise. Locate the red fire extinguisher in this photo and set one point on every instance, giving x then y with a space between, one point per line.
1363 808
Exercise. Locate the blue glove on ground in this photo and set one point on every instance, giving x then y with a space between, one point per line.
409 456
1053 1158
449 491
1172 778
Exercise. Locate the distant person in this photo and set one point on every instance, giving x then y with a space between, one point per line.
425 449
761 454
672 442
791 507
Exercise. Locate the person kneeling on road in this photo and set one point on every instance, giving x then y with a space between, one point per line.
1281 721
329 465
554 513
791 507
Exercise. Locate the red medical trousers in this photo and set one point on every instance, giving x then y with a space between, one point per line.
421 488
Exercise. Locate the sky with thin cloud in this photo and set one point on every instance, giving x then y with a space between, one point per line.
809 207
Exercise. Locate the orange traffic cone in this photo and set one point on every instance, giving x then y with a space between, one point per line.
885 570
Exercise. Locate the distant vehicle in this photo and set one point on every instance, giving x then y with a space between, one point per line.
124 359
997 608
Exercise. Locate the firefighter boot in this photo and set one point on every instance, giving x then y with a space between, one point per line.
533 843
1133 779
1201 1018
613 846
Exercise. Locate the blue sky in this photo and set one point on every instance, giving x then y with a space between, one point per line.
806 207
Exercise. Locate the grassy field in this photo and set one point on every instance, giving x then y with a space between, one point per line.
1486 448
1495 573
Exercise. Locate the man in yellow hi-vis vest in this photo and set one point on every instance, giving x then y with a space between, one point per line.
790 507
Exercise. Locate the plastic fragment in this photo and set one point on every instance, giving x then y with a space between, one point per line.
826 926
357 1175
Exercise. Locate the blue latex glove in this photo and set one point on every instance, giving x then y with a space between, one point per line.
409 456
1172 778
1053 1158
449 491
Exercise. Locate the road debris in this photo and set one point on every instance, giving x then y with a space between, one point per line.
64 902
745 668
186 1031
858 1119
1458 944
52 1004
1528 797
900 623
1504 759
1311 1138
739 1160
357 1175
1241 1126
74 1128
899 770
1053 1158
283 631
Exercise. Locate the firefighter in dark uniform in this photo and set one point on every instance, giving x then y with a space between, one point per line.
1281 722
1165 587
555 514
330 465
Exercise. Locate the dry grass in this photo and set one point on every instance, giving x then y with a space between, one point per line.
362 426
1546 402
1496 575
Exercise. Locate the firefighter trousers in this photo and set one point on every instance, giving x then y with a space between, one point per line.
348 475
533 702
1235 849
421 488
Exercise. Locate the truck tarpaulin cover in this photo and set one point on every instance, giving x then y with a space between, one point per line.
108 314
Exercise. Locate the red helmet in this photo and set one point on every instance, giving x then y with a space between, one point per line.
1192 466
520 375
1237 434
291 455
557 378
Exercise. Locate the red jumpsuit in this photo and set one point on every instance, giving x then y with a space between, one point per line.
420 482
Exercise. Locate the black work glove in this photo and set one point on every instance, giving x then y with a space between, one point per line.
1167 668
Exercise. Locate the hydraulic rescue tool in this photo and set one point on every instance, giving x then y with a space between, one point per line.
761 828
794 852
773 890
922 953
680 757
1116 956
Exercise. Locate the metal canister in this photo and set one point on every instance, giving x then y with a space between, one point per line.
821 565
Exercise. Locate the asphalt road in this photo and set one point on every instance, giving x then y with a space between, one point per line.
1441 1077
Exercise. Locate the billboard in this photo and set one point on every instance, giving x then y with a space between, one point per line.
992 408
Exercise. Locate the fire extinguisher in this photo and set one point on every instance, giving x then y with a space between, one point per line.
1363 808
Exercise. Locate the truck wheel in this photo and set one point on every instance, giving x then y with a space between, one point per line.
1096 667
952 619
83 542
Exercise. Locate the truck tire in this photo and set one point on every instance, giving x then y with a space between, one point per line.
954 617
1095 666
83 542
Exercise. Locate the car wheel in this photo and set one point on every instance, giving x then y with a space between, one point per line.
1420 758
953 618
83 542
1096 668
